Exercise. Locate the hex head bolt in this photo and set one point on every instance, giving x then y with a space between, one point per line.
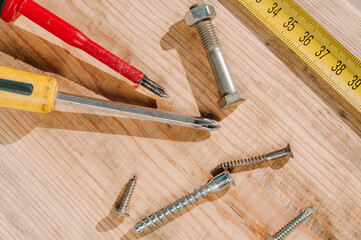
291 226
122 211
200 16
217 183
282 153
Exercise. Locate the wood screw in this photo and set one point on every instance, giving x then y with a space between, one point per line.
122 211
291 226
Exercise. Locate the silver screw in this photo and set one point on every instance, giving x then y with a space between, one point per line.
285 152
291 226
217 183
200 16
122 211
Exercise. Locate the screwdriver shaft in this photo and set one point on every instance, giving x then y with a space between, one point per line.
76 38
136 112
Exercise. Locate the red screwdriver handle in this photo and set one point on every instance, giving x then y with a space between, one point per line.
71 35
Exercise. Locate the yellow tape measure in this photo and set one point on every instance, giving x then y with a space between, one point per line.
313 44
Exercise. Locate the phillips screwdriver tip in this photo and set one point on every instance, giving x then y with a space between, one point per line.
153 87
207 124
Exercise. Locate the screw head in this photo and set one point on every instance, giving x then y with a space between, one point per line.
121 214
199 12
269 237
232 100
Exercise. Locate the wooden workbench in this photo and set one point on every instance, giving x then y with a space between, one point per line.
62 174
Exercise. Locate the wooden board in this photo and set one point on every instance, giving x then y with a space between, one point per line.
62 174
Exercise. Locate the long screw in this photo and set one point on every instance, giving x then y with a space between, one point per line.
122 211
200 16
284 152
291 226
217 183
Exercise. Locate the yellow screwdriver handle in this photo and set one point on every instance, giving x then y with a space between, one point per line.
27 91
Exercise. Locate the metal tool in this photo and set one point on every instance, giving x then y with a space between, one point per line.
37 93
291 226
200 16
122 211
311 42
11 9
282 153
217 183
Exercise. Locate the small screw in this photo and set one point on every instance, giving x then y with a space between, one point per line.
200 16
122 211
217 183
285 152
291 226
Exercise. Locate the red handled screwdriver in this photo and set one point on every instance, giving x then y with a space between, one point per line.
10 10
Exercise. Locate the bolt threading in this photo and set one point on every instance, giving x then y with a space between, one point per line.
122 211
291 226
285 152
215 184
207 34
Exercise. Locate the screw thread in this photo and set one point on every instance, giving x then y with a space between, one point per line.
128 194
242 162
285 152
217 183
207 34
171 209
292 225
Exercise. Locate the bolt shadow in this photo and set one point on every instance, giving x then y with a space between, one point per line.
112 220
210 198
185 40
349 115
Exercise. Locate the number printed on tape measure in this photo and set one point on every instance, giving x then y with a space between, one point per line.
312 43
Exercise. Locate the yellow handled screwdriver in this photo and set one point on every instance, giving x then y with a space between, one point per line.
38 93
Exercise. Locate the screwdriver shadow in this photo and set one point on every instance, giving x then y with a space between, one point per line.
349 115
41 54
48 57
190 51
132 233
14 128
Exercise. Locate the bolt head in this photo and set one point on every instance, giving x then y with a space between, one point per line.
269 237
232 100
121 214
199 13
220 181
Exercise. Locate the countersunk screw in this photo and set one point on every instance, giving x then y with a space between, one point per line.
284 152
217 183
291 226
122 211
200 16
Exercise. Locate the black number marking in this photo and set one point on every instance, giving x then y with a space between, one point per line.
355 83
290 25
306 39
319 54
274 9
338 68
258 1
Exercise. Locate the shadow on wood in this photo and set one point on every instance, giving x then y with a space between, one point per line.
186 42
316 83
48 57
112 220
278 164
11 131
210 198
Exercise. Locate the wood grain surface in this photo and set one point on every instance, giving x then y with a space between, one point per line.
62 174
